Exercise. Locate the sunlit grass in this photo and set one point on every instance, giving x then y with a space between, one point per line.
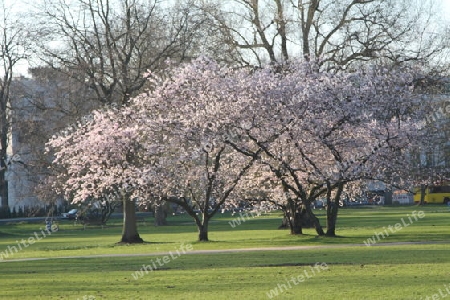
389 272
354 271
354 227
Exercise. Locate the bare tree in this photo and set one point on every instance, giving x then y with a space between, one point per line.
111 44
337 33
191 33
13 49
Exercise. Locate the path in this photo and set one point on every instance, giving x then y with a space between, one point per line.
220 251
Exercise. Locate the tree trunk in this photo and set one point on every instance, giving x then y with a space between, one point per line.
203 232
106 210
130 234
293 220
3 147
332 209
160 215
423 188
294 216
203 227
314 219
3 189
296 223
285 221
332 212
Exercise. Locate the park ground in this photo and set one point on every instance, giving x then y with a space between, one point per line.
408 258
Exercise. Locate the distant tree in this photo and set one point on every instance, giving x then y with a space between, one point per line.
14 48
5 212
160 214
427 162
20 213
111 44
339 34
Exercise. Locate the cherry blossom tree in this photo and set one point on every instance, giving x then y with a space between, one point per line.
107 45
168 144
99 157
310 132
319 131
188 118
208 136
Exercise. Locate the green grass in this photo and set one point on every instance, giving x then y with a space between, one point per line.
354 227
354 272
390 272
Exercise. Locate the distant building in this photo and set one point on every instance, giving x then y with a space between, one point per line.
41 106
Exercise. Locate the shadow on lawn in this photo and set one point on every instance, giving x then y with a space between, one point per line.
6 235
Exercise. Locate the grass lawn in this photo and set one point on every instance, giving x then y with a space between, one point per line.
352 272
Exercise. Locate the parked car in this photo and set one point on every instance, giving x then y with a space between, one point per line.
70 215
318 204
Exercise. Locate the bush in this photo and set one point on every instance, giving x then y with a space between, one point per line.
14 213
20 212
5 213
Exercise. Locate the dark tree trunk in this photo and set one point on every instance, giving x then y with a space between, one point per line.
332 212
423 188
202 223
107 209
3 190
130 234
203 232
160 215
300 220
3 182
315 221
296 223
285 221
306 218
5 125
294 216
332 209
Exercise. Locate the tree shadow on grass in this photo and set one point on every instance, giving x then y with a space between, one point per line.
6 235
143 243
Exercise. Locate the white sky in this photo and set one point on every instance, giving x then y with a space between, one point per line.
446 8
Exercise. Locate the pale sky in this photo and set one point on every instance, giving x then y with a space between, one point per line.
446 7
